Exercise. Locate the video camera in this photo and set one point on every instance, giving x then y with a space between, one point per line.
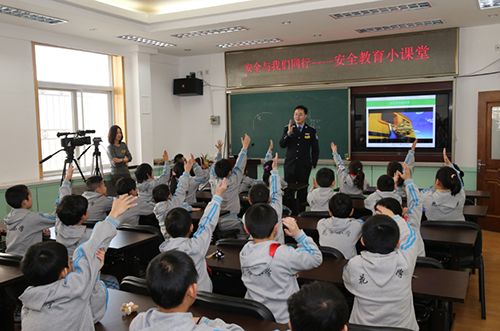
77 138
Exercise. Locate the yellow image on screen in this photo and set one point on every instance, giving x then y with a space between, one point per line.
380 129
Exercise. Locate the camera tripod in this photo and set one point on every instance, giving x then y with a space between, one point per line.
70 158
96 158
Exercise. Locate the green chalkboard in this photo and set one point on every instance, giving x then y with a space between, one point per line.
264 115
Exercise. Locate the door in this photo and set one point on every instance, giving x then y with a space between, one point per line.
488 156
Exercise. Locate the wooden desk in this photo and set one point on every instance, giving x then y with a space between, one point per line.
475 211
114 320
123 239
197 215
449 236
206 196
9 274
442 284
477 194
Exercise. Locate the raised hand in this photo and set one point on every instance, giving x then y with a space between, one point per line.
445 158
188 165
414 145
69 173
275 162
219 145
271 145
100 253
291 228
245 141
383 211
121 204
406 172
165 155
315 183
221 187
333 147
290 127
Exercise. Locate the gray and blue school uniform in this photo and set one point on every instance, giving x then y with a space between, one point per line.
77 301
373 198
200 178
133 214
345 180
197 246
231 198
99 205
162 208
145 189
410 161
381 283
71 236
269 271
340 233
155 320
319 197
269 157
440 205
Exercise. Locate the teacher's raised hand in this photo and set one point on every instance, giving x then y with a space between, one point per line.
290 127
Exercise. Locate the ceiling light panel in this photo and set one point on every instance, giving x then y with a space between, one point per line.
147 41
382 10
203 33
250 43
30 15
391 27
488 4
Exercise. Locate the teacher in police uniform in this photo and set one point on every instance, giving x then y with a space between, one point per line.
302 152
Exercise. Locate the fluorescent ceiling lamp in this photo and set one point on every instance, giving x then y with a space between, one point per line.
400 26
488 4
159 7
250 43
382 10
210 32
30 15
147 41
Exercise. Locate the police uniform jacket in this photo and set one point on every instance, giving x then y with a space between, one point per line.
302 148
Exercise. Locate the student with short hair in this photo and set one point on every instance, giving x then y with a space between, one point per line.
269 269
165 201
318 306
197 178
230 200
172 282
380 278
340 230
71 214
445 201
65 297
127 185
260 193
351 180
24 227
179 227
385 189
322 190
394 166
146 182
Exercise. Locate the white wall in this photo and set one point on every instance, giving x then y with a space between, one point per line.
477 50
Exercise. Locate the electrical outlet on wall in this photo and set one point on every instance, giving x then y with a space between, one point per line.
215 120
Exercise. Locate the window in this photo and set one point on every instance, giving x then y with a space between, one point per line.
75 92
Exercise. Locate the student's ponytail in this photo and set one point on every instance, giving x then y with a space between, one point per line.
356 169
449 179
268 166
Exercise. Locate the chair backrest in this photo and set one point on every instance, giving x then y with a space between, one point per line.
231 242
134 285
330 251
317 214
234 305
357 327
478 246
429 262
140 228
361 213
10 259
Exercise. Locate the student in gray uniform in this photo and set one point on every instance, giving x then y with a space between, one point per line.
65 297
318 306
180 227
352 180
267 167
322 190
380 278
259 193
385 189
71 214
165 201
340 231
172 282
445 201
24 227
197 177
230 200
269 269
394 166
126 185
146 182
99 203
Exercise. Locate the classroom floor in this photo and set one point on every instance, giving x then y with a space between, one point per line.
468 314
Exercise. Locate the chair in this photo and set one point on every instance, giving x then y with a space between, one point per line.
362 213
231 242
333 252
141 228
463 257
150 220
315 214
357 327
10 259
234 305
134 285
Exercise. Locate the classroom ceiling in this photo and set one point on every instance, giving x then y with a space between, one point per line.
292 21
